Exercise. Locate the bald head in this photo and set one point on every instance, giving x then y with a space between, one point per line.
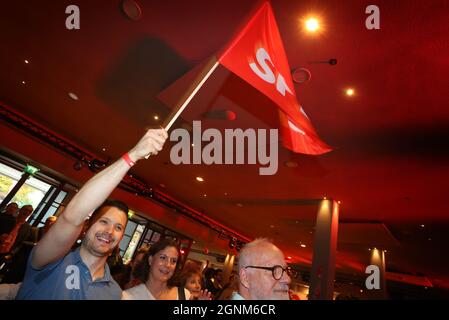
257 251
256 262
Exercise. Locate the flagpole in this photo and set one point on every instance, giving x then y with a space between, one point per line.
196 85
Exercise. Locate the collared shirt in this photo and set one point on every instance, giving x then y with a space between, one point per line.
67 279
236 296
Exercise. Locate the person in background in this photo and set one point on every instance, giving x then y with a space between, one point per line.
18 259
12 241
136 265
159 265
191 279
7 219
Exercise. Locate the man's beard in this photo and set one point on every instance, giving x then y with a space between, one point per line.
89 244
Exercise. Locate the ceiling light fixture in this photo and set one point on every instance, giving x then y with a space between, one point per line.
350 92
312 24
73 96
200 179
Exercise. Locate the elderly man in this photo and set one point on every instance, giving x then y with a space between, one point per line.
263 272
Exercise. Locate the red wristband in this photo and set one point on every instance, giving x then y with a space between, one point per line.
128 160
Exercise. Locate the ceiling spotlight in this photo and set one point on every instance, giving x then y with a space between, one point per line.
303 245
291 164
312 25
77 166
156 117
26 61
238 245
289 257
200 179
422 226
73 96
131 10
232 243
350 92
23 82
204 195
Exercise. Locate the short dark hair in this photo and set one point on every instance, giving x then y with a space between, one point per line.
108 203
155 248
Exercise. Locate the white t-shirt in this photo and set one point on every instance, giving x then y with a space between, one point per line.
141 292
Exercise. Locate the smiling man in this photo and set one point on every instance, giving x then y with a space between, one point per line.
263 272
55 272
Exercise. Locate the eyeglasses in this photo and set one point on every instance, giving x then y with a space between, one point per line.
277 271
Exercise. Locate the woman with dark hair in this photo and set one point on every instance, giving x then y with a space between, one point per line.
159 266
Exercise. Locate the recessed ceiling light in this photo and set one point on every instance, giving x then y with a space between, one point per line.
312 24
26 61
73 96
204 195
156 117
200 179
303 245
104 149
422 226
23 82
131 9
225 193
289 257
291 164
350 92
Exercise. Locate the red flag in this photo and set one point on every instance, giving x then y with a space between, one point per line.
257 56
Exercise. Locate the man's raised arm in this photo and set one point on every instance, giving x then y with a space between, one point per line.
61 237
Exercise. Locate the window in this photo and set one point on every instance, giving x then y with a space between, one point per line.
31 192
